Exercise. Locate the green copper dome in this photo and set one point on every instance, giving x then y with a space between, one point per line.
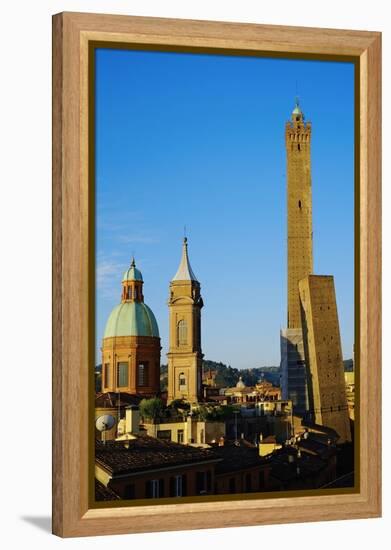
132 274
131 319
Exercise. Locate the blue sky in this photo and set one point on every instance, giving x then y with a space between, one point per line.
198 140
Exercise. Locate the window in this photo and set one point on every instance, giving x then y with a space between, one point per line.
182 333
182 381
122 375
142 374
129 492
209 480
300 204
201 483
261 479
232 485
154 488
106 380
181 436
247 483
129 293
164 434
178 486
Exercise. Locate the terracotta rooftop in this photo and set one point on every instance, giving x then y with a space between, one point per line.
147 453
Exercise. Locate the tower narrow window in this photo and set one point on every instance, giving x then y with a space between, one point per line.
122 374
182 381
300 205
182 333
142 374
107 381
298 146
129 293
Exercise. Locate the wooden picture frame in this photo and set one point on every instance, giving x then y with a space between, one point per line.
72 35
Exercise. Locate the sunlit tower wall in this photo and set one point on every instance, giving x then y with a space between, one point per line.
300 257
328 404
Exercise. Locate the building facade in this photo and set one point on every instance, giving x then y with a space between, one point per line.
328 401
131 342
300 257
185 354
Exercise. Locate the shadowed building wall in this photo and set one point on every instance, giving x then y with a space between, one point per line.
322 344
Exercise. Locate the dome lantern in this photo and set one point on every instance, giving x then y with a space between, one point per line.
132 284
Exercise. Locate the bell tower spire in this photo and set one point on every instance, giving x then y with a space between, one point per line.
185 355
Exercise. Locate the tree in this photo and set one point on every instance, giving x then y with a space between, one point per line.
151 408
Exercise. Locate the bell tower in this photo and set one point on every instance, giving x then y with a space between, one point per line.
299 208
300 260
185 355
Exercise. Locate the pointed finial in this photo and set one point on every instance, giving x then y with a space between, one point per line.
133 262
184 272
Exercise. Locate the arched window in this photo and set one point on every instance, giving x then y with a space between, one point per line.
129 293
182 333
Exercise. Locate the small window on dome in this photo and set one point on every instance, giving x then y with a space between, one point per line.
122 374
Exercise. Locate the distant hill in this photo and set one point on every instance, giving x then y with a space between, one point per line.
228 376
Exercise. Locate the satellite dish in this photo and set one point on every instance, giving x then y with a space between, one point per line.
104 422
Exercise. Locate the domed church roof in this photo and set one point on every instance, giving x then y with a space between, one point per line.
131 319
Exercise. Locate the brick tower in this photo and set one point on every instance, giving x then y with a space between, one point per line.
300 260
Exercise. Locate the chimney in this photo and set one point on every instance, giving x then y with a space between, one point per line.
132 419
